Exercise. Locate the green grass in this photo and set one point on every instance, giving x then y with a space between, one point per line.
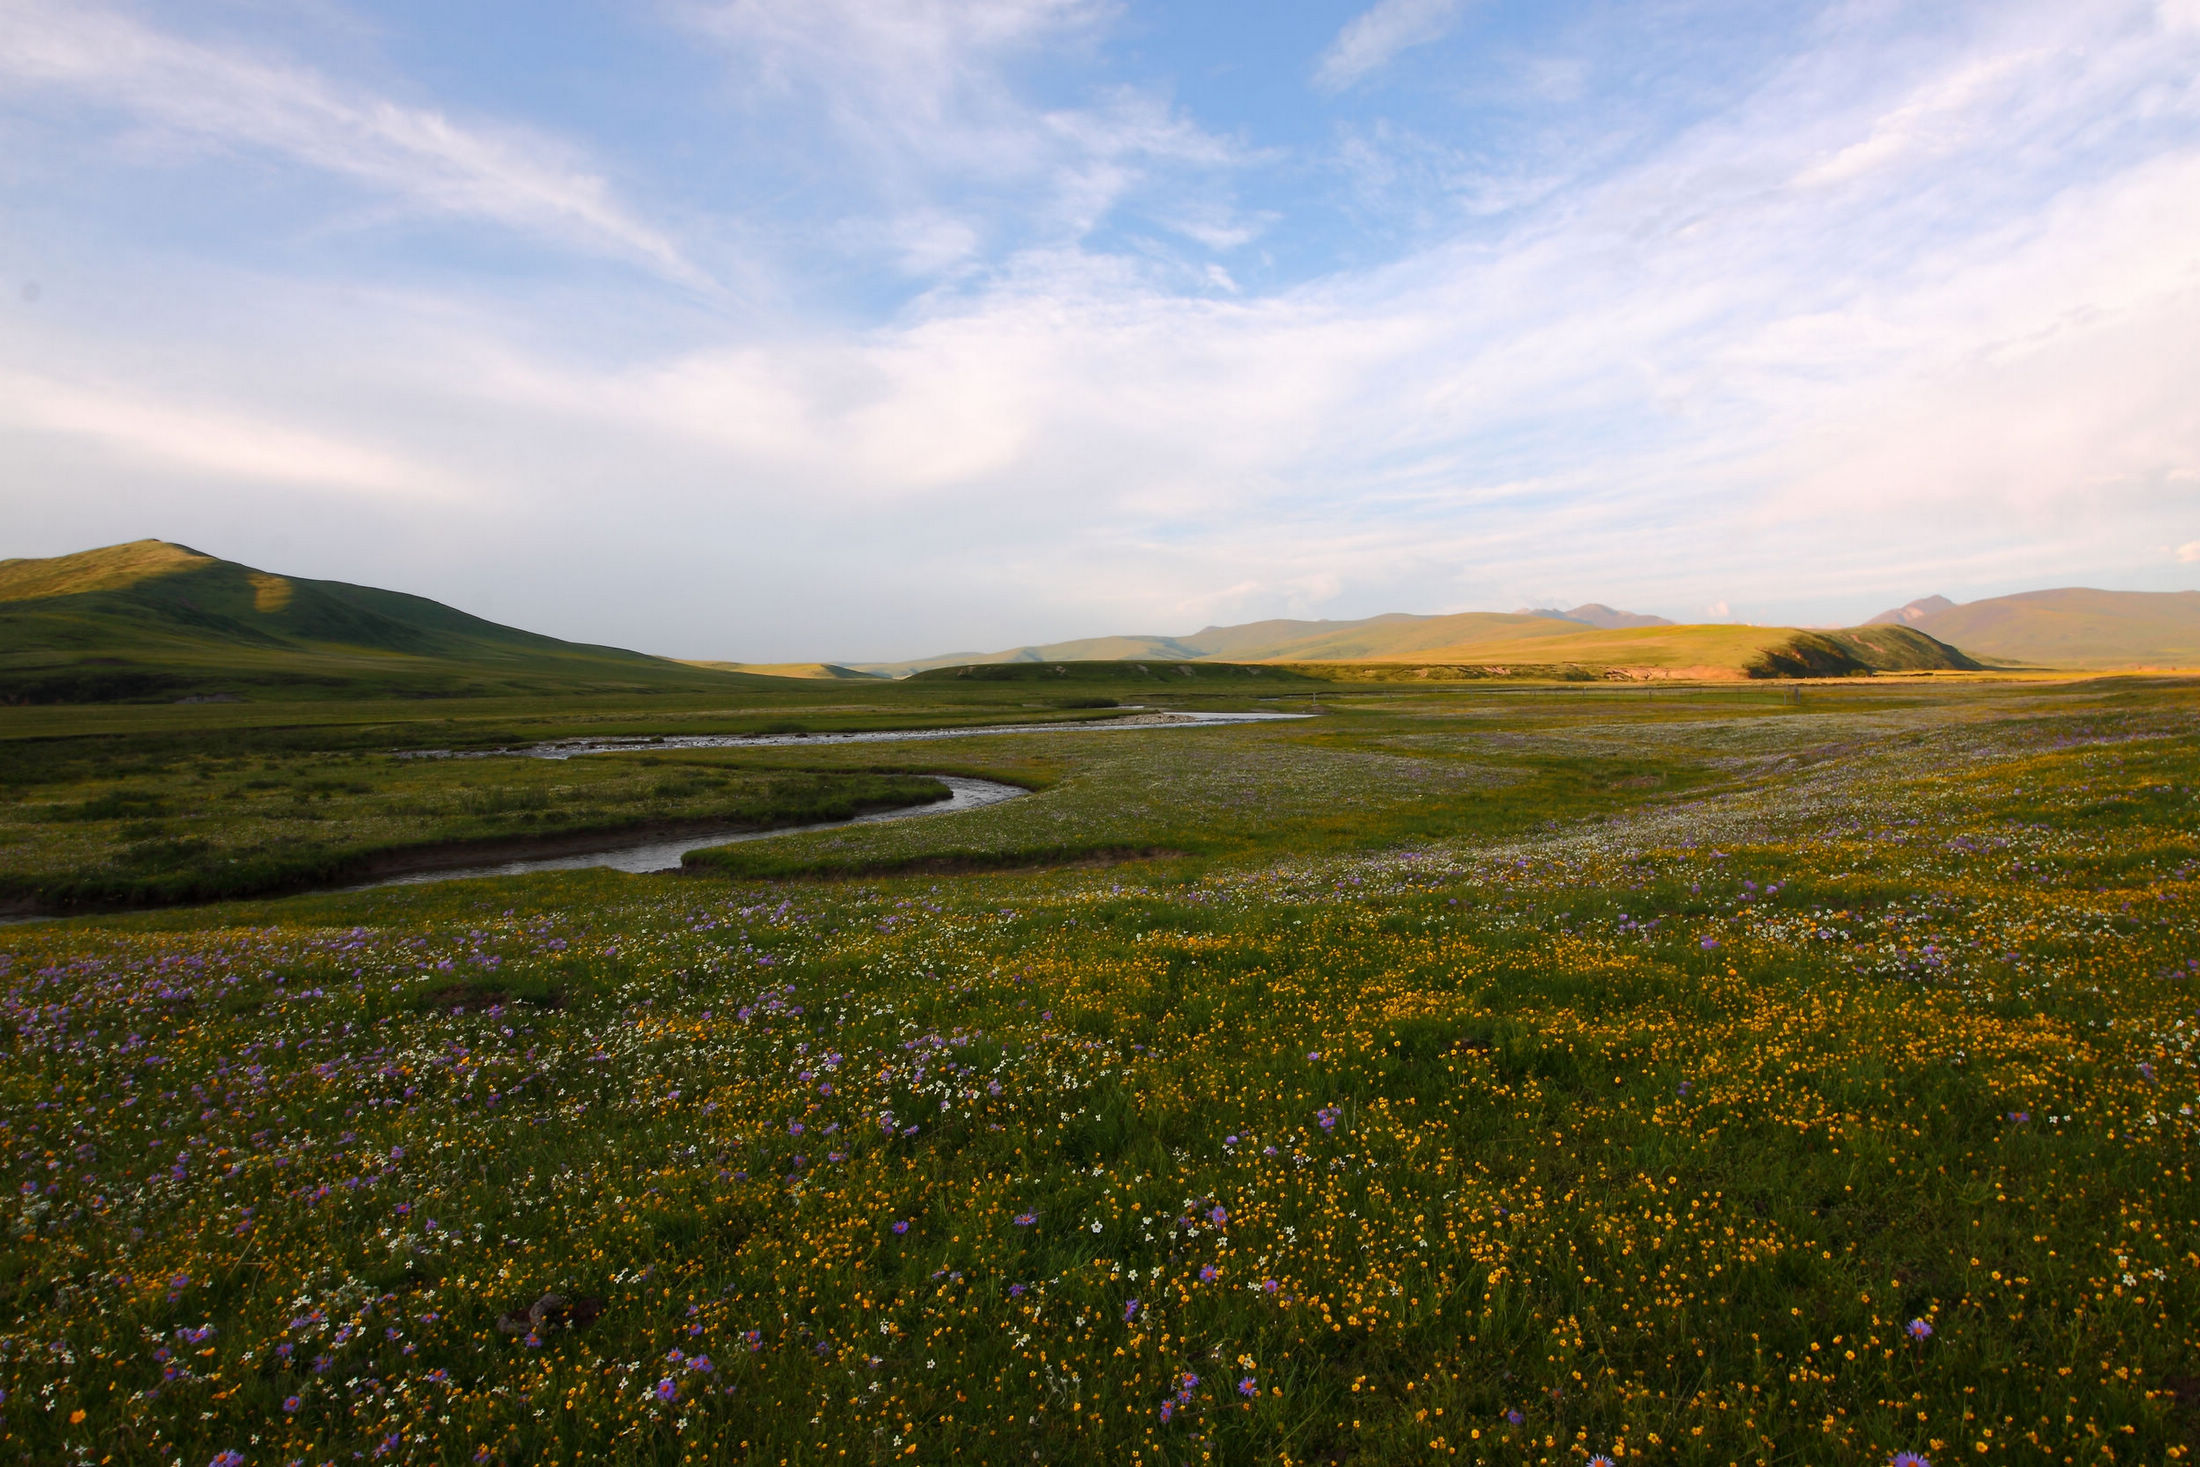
200 829
1641 1065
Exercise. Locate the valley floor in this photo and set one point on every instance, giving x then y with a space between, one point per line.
1480 1078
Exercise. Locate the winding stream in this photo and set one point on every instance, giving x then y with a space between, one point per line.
662 853
659 853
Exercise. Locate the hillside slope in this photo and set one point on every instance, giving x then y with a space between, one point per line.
153 620
1692 652
2075 627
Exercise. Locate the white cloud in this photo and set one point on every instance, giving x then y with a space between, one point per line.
200 438
1373 38
2189 552
510 176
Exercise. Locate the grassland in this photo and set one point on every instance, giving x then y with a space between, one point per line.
117 806
1497 1075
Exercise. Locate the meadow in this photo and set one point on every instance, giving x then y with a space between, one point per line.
1463 1075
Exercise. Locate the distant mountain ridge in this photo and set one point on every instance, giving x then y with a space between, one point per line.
1597 614
2074 627
155 620
1391 636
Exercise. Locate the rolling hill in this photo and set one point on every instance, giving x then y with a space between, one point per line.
2074 627
1483 643
155 621
1394 636
812 671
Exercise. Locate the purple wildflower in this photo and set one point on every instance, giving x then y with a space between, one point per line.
667 1389
291 1405
1248 1387
1026 1219
1208 1273
1130 1310
901 1225
1909 1459
1919 1329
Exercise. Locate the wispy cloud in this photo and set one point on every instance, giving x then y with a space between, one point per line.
925 101
1904 311
1373 38
510 176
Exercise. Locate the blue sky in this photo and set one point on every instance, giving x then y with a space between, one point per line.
767 329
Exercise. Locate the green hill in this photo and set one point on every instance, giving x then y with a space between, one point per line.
2075 627
154 621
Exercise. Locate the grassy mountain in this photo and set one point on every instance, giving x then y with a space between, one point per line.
155 621
2074 627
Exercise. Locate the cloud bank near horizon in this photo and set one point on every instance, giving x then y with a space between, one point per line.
772 331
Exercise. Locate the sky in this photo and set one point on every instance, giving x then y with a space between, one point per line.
788 329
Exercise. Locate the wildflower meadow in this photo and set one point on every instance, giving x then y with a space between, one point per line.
1810 1085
